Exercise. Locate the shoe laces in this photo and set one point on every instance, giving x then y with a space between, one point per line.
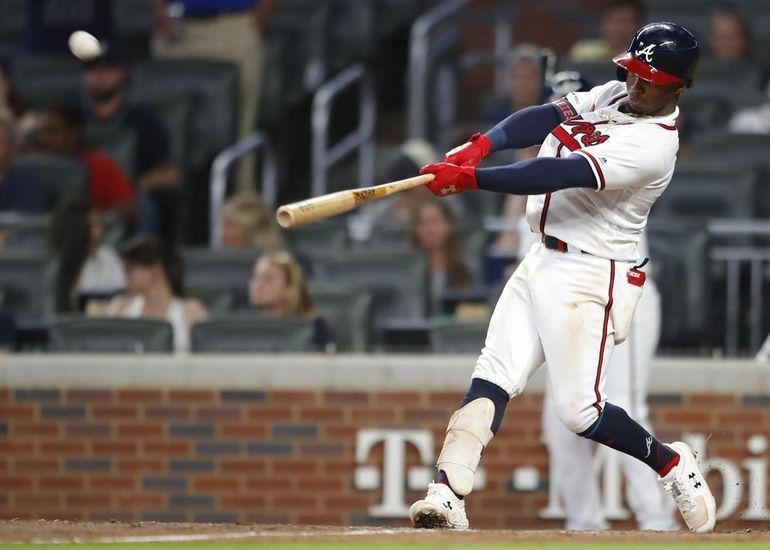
684 501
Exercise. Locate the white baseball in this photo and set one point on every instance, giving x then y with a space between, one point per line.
84 45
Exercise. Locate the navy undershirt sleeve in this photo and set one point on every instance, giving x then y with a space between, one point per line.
537 176
526 127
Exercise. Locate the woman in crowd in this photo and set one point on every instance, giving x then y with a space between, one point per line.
277 289
730 36
434 232
88 268
155 290
247 222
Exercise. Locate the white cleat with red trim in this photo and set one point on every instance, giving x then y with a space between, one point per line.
440 509
688 487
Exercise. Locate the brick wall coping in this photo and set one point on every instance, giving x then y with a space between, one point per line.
313 372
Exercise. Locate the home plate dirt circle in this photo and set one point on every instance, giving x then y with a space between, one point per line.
57 531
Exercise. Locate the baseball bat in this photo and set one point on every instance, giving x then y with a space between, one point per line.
326 206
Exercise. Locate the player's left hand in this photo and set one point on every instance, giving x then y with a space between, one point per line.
450 179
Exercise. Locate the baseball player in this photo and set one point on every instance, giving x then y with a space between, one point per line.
572 458
606 156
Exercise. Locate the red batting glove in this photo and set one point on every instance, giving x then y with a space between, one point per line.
450 179
470 153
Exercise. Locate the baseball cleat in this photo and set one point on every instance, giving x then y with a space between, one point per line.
688 487
441 509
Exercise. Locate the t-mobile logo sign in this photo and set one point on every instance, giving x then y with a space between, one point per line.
391 476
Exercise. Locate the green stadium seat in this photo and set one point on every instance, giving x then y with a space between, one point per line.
111 335
458 337
210 86
347 313
27 280
397 280
45 81
227 270
253 335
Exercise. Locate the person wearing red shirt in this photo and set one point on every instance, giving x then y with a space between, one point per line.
62 132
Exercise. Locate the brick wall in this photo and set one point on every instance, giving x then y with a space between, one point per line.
285 456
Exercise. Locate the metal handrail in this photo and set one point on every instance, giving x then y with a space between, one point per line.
324 156
757 258
218 179
419 53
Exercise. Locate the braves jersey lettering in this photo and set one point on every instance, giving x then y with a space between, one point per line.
632 159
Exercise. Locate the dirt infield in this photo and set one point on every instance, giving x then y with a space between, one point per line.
43 531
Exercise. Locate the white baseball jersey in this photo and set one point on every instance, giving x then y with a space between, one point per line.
632 159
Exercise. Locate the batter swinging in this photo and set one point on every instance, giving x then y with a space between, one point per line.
606 156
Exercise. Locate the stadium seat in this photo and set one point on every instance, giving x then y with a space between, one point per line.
324 238
253 335
397 280
26 232
704 112
227 270
347 313
458 337
217 301
111 335
134 22
44 81
60 176
679 261
712 76
351 31
27 280
697 193
212 88
12 25
735 149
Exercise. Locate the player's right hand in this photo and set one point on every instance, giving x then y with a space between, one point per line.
450 179
470 153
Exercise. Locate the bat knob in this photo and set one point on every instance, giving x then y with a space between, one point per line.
285 217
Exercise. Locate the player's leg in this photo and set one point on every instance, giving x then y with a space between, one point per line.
572 298
511 354
626 386
572 468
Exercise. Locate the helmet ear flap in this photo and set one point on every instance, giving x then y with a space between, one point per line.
622 74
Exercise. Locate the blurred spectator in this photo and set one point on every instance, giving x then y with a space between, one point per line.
50 23
247 222
620 20
106 80
434 232
20 190
88 268
155 289
526 87
729 36
396 211
227 30
277 289
752 120
63 132
524 83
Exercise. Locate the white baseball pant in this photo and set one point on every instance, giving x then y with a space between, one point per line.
572 458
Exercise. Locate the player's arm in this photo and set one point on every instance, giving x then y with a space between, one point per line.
528 177
524 128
